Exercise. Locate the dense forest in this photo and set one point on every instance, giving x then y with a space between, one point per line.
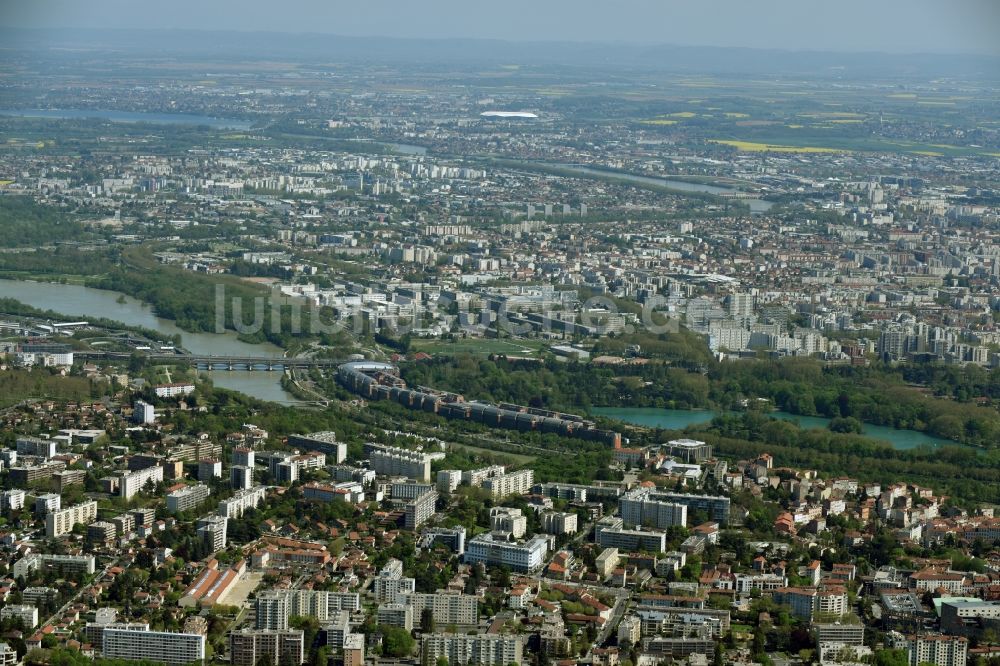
880 394
26 223
16 386
959 472
56 263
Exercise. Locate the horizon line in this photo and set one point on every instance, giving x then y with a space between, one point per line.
501 40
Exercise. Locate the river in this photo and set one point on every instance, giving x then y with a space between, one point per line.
756 205
131 117
407 148
678 419
77 301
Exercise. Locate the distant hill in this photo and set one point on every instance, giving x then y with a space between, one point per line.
680 59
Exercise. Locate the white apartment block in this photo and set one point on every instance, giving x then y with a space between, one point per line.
515 483
243 456
419 510
47 503
936 649
556 522
274 607
461 609
482 649
12 500
161 646
448 480
805 602
392 461
34 446
173 390
512 521
235 506
61 522
212 529
325 442
641 507
187 498
527 556
130 483
28 615
84 564
392 590
250 647
475 477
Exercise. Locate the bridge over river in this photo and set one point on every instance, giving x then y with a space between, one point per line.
205 362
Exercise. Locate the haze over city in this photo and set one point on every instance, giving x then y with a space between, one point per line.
499 333
894 26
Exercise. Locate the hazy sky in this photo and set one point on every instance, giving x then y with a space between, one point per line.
898 26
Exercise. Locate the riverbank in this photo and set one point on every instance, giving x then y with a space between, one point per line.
111 309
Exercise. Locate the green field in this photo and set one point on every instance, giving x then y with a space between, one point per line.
517 458
484 346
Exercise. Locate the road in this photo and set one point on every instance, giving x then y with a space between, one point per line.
59 613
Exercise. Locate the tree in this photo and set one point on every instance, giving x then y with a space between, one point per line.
845 424
891 658
427 621
397 642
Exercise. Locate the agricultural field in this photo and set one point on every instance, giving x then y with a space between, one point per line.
773 148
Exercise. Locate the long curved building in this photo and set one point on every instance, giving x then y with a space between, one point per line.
381 381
